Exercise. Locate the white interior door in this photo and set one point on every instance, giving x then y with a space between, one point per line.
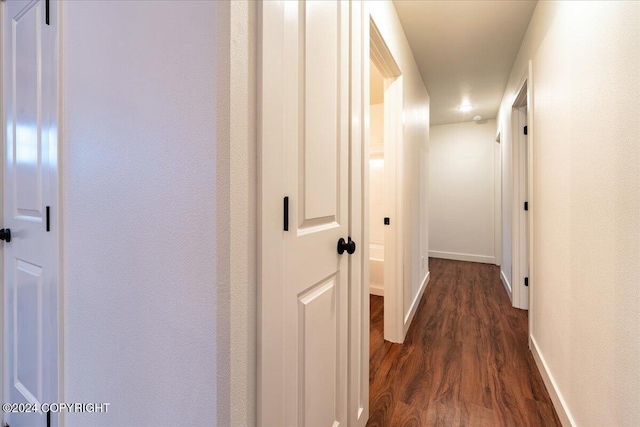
29 95
525 191
305 157
523 215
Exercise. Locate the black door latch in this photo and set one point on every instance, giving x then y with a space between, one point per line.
5 234
349 246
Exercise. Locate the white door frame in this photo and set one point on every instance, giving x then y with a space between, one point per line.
381 56
522 222
530 193
56 14
3 142
358 383
497 199
270 251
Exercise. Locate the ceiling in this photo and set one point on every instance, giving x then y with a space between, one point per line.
465 51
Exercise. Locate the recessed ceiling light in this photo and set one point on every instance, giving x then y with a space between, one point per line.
465 107
477 118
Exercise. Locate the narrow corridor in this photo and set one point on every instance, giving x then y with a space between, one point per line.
465 361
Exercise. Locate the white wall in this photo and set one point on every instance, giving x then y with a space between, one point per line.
377 206
586 203
462 191
376 127
143 269
376 85
416 136
376 175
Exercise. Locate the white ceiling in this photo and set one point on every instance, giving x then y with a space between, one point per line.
465 51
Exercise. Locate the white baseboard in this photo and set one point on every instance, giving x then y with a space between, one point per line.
376 289
414 305
556 397
463 257
507 285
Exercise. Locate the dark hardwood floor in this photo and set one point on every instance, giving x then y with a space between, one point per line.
465 360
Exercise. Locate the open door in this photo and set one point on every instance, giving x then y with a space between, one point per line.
29 99
521 202
304 123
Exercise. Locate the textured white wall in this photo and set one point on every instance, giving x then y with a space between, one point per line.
462 191
377 210
376 127
586 203
140 214
416 136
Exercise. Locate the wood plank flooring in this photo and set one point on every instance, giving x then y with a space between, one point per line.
465 360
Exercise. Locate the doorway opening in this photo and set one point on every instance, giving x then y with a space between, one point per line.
377 201
383 173
520 225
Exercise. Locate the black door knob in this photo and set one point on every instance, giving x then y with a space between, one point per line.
5 234
349 246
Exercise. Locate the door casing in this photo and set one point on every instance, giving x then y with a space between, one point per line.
394 322
358 339
522 181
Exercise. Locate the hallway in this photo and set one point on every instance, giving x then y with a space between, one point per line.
465 360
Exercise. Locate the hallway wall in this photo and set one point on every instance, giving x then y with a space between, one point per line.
462 191
376 174
377 207
142 212
586 203
416 137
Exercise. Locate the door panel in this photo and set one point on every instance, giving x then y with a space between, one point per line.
319 40
318 357
27 339
28 96
29 100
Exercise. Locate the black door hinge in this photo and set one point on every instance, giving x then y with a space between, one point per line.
526 206
525 130
286 214
48 221
386 220
46 12
526 281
